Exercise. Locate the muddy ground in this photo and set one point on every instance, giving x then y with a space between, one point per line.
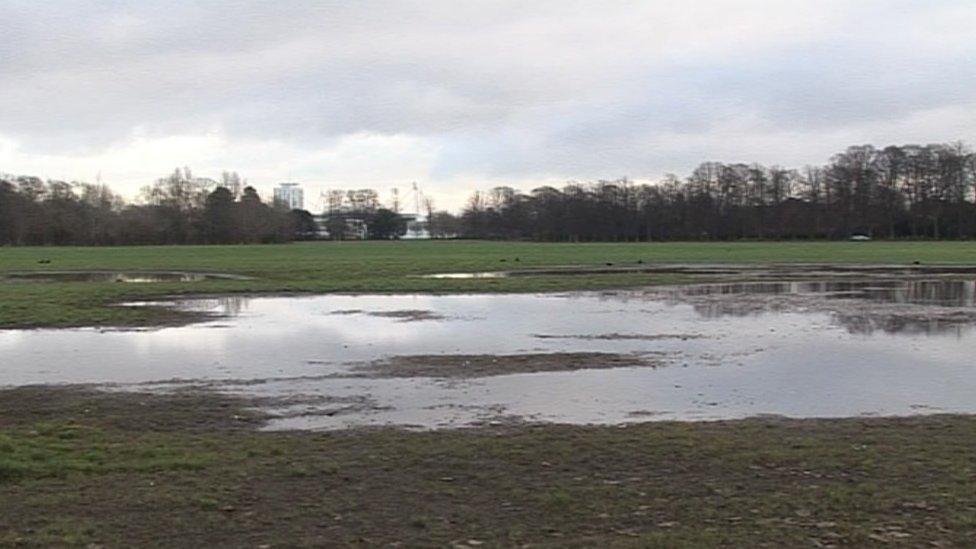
620 337
404 315
473 366
79 467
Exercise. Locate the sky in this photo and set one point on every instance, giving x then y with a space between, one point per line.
459 96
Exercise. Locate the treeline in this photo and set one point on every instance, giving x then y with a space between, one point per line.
178 209
906 191
358 214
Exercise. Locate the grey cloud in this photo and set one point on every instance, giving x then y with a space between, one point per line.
574 89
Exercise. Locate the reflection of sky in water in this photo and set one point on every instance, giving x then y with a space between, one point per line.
787 363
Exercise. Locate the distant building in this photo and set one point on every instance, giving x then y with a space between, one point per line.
290 195
417 226
341 227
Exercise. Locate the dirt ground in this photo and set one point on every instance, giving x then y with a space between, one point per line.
404 315
80 467
621 337
471 366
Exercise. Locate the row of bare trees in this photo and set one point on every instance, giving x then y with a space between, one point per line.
177 209
906 191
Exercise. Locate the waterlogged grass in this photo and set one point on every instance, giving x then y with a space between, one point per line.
86 469
856 482
321 267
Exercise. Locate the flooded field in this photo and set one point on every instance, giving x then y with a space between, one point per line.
724 350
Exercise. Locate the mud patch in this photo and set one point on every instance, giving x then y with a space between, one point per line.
404 315
300 406
183 410
643 414
752 483
620 337
471 366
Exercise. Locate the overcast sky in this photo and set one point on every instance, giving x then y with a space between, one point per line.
464 95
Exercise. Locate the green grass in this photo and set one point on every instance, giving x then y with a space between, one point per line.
321 267
58 450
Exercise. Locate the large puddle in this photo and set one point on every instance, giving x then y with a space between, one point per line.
715 351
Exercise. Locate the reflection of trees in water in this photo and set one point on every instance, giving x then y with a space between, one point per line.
856 323
743 288
893 324
233 305
225 306
943 293
949 293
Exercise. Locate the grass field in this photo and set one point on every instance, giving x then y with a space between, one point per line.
117 470
320 267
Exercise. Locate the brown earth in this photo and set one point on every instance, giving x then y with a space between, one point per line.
466 366
79 467
403 315
620 337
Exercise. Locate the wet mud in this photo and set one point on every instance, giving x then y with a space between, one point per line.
762 482
620 337
404 315
477 366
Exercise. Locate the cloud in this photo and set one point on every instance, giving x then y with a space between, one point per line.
456 94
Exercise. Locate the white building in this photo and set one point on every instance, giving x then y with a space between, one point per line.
290 195
417 228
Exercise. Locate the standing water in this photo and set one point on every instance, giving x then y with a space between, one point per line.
716 351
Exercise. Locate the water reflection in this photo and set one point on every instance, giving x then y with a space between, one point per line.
795 361
948 293
861 306
226 306
462 276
